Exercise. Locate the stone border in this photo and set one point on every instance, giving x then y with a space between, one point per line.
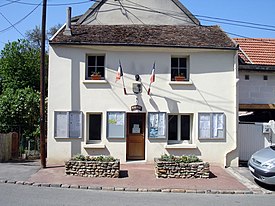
92 168
129 189
167 169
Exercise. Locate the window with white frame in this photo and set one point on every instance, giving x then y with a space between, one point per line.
179 68
211 126
95 122
95 67
179 127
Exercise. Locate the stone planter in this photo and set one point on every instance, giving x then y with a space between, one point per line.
164 169
93 168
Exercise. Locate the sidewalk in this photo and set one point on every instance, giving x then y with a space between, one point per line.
135 177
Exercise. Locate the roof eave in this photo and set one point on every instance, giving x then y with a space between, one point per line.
142 45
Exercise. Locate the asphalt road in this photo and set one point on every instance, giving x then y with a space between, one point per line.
18 170
16 195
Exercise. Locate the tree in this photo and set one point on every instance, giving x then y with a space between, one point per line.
34 35
20 83
20 66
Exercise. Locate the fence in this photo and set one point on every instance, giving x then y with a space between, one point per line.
8 146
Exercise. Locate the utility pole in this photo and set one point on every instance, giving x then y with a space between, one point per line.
42 88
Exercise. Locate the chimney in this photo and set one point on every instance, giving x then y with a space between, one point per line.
68 31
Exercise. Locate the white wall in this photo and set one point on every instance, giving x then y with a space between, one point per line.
153 12
256 90
212 88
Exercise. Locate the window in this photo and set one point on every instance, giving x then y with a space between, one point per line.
67 124
95 126
265 77
179 68
95 65
178 128
157 122
246 77
116 124
211 126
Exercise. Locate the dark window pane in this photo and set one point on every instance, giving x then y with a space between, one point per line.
95 127
91 70
182 62
101 71
174 62
174 72
100 61
91 60
172 127
185 127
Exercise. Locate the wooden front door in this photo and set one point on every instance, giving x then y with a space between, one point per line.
135 136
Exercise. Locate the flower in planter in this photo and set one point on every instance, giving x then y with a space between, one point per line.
96 76
180 77
101 158
180 159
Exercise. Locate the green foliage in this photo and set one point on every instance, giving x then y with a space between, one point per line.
20 66
180 159
20 85
20 107
101 158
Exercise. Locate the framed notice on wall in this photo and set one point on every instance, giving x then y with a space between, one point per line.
67 124
157 124
116 124
211 125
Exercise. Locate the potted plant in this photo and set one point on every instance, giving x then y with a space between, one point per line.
96 76
180 77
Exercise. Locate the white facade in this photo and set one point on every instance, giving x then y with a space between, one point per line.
211 89
169 12
257 87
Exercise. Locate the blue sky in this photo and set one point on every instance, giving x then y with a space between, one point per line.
254 11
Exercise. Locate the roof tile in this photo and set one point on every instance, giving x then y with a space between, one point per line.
147 35
259 51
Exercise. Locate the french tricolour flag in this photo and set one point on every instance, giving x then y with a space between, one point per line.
119 73
152 77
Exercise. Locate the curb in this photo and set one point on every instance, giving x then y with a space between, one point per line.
128 189
251 186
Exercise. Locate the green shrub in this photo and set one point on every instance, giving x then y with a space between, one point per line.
180 159
101 158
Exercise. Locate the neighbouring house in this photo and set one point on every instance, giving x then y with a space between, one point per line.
256 95
139 79
256 79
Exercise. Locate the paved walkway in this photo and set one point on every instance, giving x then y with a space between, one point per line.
135 177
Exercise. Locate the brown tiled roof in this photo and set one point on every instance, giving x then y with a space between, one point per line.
257 51
147 35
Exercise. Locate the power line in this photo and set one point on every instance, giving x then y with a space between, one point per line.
58 4
20 19
236 21
240 25
12 25
255 39
8 3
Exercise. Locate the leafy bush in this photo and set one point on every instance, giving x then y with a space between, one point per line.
101 158
180 159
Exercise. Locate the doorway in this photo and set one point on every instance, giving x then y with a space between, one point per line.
135 136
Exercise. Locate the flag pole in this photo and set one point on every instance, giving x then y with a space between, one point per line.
124 88
149 89
152 78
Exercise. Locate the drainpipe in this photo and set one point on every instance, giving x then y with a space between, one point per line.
67 30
